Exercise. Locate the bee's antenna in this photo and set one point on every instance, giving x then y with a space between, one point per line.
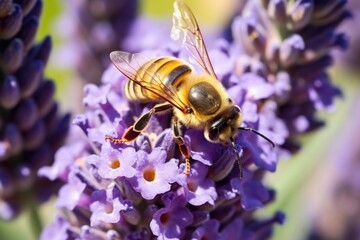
237 157
257 133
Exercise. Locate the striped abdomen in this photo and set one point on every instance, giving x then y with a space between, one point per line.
157 73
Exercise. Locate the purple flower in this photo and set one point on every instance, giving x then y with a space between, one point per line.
93 29
291 41
154 175
209 230
253 194
256 87
106 206
237 228
31 127
112 163
58 230
71 193
146 33
170 221
65 156
198 189
138 190
252 230
260 154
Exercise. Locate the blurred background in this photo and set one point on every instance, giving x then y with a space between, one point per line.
318 188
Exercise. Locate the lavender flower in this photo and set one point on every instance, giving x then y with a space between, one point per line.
106 206
198 189
113 163
31 129
290 43
170 221
153 175
94 29
139 190
144 182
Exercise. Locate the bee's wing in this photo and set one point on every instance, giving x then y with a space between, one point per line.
129 64
185 24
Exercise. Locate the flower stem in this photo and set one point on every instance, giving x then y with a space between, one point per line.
35 218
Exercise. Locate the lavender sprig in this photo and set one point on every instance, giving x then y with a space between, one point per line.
31 129
98 27
290 45
140 191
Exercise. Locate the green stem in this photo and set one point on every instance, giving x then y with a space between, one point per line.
35 218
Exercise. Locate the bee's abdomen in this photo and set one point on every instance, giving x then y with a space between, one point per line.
158 74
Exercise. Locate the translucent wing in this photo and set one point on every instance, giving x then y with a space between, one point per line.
129 64
185 26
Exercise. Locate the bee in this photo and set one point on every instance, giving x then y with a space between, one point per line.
197 100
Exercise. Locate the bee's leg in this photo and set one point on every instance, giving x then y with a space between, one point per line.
134 131
179 139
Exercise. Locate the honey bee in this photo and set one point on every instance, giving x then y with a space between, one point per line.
197 100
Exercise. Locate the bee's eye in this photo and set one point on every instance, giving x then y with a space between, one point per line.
213 134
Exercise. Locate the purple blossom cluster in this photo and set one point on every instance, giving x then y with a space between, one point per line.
31 128
139 190
289 43
94 29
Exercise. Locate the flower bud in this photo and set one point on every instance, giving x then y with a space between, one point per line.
11 23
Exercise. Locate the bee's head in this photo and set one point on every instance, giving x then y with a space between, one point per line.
224 126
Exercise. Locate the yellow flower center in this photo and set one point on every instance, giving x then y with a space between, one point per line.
192 186
80 161
149 174
114 164
109 208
